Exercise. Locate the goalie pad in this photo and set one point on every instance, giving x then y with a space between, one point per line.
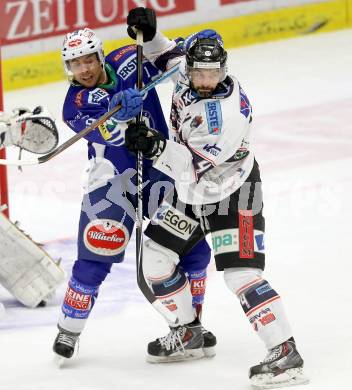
26 270
34 131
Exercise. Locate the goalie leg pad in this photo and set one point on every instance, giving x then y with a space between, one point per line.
26 270
261 304
169 282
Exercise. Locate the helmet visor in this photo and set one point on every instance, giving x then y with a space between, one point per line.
206 75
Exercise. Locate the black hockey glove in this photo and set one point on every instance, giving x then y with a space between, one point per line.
143 19
139 137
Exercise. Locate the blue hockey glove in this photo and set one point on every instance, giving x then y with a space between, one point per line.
200 35
131 104
139 137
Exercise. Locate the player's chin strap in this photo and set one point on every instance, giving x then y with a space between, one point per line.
142 283
90 128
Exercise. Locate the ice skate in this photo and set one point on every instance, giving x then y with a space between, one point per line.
64 346
283 366
209 343
182 343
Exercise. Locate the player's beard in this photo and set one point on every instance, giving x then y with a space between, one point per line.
203 92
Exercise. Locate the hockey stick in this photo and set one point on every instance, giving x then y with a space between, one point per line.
89 129
142 283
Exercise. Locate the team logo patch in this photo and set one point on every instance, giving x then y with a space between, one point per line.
246 234
124 51
236 240
75 43
196 122
245 106
175 222
96 95
259 240
198 286
127 67
225 241
170 304
104 132
107 128
214 117
212 149
105 237
263 289
78 98
77 300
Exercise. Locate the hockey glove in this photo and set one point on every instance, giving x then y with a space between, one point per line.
143 19
34 131
139 137
131 102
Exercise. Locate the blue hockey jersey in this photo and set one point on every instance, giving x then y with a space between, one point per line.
83 106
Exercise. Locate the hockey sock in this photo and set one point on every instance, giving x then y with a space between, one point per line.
78 303
174 293
197 281
261 304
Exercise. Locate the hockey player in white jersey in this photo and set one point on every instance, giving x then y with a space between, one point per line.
26 270
219 192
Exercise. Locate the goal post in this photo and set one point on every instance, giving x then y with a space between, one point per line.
4 199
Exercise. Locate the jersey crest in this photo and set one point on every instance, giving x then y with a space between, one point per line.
96 95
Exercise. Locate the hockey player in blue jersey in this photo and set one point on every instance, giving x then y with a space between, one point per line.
99 83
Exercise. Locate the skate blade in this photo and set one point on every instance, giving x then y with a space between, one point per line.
209 352
291 377
60 361
191 354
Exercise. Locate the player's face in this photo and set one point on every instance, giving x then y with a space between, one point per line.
205 80
87 70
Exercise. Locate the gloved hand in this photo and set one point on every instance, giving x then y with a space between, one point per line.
34 131
139 137
143 19
200 35
131 102
12 129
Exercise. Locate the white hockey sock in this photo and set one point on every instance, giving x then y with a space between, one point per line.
261 304
175 293
168 281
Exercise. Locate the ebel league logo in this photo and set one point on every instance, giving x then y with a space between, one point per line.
214 117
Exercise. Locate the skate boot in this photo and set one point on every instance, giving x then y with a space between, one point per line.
64 344
182 343
283 366
209 343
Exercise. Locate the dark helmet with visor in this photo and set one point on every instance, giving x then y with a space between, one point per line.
206 53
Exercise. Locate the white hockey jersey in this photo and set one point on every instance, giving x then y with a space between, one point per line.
210 156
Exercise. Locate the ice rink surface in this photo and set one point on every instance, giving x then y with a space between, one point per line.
301 92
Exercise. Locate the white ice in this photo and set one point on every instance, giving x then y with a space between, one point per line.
301 91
